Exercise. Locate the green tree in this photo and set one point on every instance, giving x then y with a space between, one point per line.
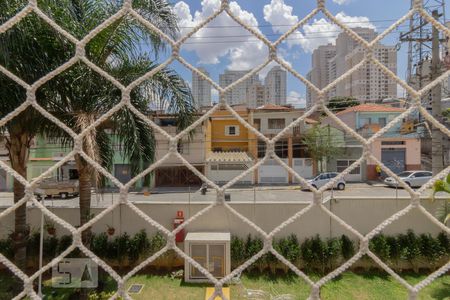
29 50
338 104
80 96
323 144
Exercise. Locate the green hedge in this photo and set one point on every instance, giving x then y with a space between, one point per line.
322 255
312 254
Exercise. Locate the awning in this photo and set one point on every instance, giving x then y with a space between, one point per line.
228 157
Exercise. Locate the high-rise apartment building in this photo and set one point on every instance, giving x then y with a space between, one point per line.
329 62
319 74
275 84
238 94
369 83
252 92
256 95
201 89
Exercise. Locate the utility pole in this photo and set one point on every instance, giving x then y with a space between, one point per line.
437 162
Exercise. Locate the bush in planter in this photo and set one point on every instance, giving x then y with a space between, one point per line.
409 246
394 249
379 245
252 247
6 248
430 248
138 245
157 242
237 251
100 245
33 245
64 242
122 245
333 251
444 242
347 247
50 246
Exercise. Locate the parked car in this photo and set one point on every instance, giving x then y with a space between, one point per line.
323 178
51 187
411 178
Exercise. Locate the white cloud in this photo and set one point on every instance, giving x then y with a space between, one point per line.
341 2
319 32
296 99
243 52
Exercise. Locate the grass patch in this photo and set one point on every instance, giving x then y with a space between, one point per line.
349 285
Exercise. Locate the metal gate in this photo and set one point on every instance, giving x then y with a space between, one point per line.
394 159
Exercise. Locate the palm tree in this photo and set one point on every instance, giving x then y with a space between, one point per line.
80 96
29 50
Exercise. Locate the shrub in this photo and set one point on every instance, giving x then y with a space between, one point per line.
6 248
139 245
123 244
444 242
99 245
394 248
430 248
237 250
379 245
409 246
33 244
50 246
333 251
64 242
252 246
347 247
157 242
294 252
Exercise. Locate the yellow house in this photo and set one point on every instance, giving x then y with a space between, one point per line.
224 133
230 146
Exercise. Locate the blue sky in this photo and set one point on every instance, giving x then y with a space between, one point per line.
226 45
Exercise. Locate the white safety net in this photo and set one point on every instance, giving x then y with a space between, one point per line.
127 9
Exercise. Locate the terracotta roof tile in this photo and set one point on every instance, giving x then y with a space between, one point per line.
371 108
270 106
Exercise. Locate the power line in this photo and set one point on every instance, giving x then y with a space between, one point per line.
288 25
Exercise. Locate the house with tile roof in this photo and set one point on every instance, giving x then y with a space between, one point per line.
398 148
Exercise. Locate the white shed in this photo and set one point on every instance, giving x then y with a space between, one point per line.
209 249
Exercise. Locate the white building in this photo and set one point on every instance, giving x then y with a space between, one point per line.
275 85
238 94
201 89
368 83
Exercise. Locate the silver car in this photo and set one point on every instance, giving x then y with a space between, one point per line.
411 178
323 178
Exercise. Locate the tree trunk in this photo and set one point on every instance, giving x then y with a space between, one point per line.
85 172
18 147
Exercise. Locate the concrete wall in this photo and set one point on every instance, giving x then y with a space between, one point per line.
363 214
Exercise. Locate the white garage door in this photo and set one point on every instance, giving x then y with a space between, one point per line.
303 167
272 172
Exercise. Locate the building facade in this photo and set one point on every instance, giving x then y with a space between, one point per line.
398 148
238 94
201 89
275 85
368 83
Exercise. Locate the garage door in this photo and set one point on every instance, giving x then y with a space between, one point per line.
272 172
394 159
177 176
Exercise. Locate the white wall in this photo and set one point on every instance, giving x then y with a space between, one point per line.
362 214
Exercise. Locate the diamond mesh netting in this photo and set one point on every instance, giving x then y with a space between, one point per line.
127 9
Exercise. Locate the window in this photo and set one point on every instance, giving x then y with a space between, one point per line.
232 130
276 123
423 174
281 149
382 122
342 164
392 143
257 123
214 167
261 149
232 167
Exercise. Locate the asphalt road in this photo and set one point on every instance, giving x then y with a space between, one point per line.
259 194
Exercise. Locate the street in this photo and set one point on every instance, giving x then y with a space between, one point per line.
257 194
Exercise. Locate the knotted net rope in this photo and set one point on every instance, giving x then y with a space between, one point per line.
127 10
